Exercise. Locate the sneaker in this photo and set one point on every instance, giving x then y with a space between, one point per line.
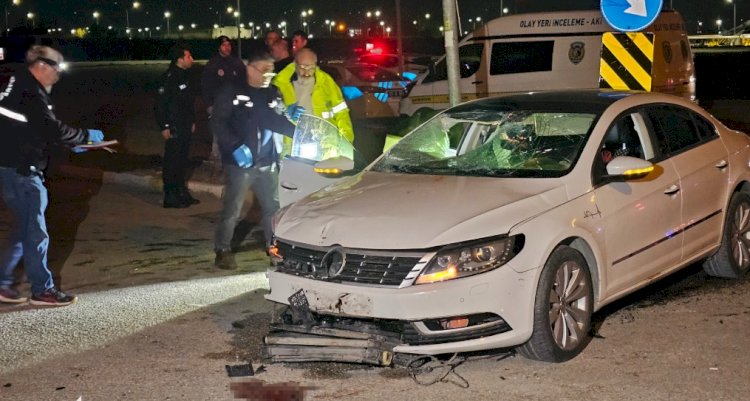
11 296
225 260
52 297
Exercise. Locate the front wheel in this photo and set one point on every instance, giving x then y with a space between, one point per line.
732 259
562 308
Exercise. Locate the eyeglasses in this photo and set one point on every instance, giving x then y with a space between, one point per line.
54 64
266 74
306 67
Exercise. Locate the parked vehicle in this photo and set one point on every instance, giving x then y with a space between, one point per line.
561 50
369 90
508 221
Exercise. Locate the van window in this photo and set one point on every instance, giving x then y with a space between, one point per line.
518 57
469 55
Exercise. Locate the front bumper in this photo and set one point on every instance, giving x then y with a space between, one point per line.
502 292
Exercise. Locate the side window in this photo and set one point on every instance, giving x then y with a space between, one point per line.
674 128
622 139
470 57
706 130
519 57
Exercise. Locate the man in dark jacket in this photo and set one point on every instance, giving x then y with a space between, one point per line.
175 114
222 69
27 128
245 119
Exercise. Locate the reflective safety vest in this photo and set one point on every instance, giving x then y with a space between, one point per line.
327 100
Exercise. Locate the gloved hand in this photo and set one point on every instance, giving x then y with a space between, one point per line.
243 157
95 136
294 111
77 149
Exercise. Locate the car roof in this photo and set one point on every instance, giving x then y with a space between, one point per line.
577 101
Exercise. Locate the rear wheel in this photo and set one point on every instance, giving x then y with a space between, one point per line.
732 259
562 309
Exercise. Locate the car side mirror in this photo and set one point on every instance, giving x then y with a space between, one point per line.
335 167
626 168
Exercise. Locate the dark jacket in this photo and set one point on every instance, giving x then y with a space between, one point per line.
246 115
221 71
175 100
28 126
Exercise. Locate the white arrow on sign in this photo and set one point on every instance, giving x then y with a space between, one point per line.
637 7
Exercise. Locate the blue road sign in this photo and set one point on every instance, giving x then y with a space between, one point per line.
630 15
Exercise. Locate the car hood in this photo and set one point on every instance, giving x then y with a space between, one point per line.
403 211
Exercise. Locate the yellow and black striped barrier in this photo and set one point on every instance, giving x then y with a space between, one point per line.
626 60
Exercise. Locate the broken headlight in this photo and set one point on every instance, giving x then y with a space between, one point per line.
470 259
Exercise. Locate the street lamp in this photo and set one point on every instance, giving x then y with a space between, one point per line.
96 16
718 24
734 15
15 3
167 14
136 5
31 16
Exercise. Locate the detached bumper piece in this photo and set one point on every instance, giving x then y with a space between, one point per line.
301 343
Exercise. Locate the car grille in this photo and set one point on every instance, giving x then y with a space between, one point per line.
365 267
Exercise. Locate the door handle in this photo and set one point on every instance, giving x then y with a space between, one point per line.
673 189
721 164
477 82
289 186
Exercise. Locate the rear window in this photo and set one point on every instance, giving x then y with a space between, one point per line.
520 57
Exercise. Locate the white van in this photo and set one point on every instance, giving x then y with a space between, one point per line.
560 50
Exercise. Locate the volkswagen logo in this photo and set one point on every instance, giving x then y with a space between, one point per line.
332 263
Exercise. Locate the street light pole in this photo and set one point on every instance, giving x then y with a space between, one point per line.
734 15
167 14
7 26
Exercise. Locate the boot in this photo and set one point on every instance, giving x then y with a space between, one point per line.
172 199
225 260
187 197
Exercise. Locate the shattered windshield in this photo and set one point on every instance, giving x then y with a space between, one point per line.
492 143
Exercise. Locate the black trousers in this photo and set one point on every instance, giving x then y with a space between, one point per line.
176 152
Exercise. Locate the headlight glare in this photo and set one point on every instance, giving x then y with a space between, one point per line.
469 259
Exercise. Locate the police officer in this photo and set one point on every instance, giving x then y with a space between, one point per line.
27 128
245 119
222 69
175 114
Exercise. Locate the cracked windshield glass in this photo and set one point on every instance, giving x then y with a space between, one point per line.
492 143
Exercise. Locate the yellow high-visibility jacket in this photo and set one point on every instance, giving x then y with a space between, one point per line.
327 99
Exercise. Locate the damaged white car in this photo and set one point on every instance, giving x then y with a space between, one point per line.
506 222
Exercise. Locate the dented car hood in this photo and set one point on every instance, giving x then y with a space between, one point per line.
374 210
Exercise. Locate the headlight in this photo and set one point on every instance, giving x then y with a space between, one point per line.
470 259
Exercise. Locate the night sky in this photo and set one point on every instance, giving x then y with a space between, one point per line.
67 13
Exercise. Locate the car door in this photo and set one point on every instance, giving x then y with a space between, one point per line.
702 162
314 140
639 217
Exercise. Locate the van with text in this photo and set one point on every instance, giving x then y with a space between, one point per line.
561 50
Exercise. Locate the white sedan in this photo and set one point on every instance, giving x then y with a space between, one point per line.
506 222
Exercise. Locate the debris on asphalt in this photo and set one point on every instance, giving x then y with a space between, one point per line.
243 370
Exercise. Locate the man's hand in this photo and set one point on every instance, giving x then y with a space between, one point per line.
243 157
166 133
294 112
95 136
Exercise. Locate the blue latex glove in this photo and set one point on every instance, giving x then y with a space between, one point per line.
294 112
95 136
76 149
243 157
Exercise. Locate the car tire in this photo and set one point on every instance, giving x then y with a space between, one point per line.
732 259
562 309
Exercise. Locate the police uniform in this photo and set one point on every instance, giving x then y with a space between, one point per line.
244 115
175 111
